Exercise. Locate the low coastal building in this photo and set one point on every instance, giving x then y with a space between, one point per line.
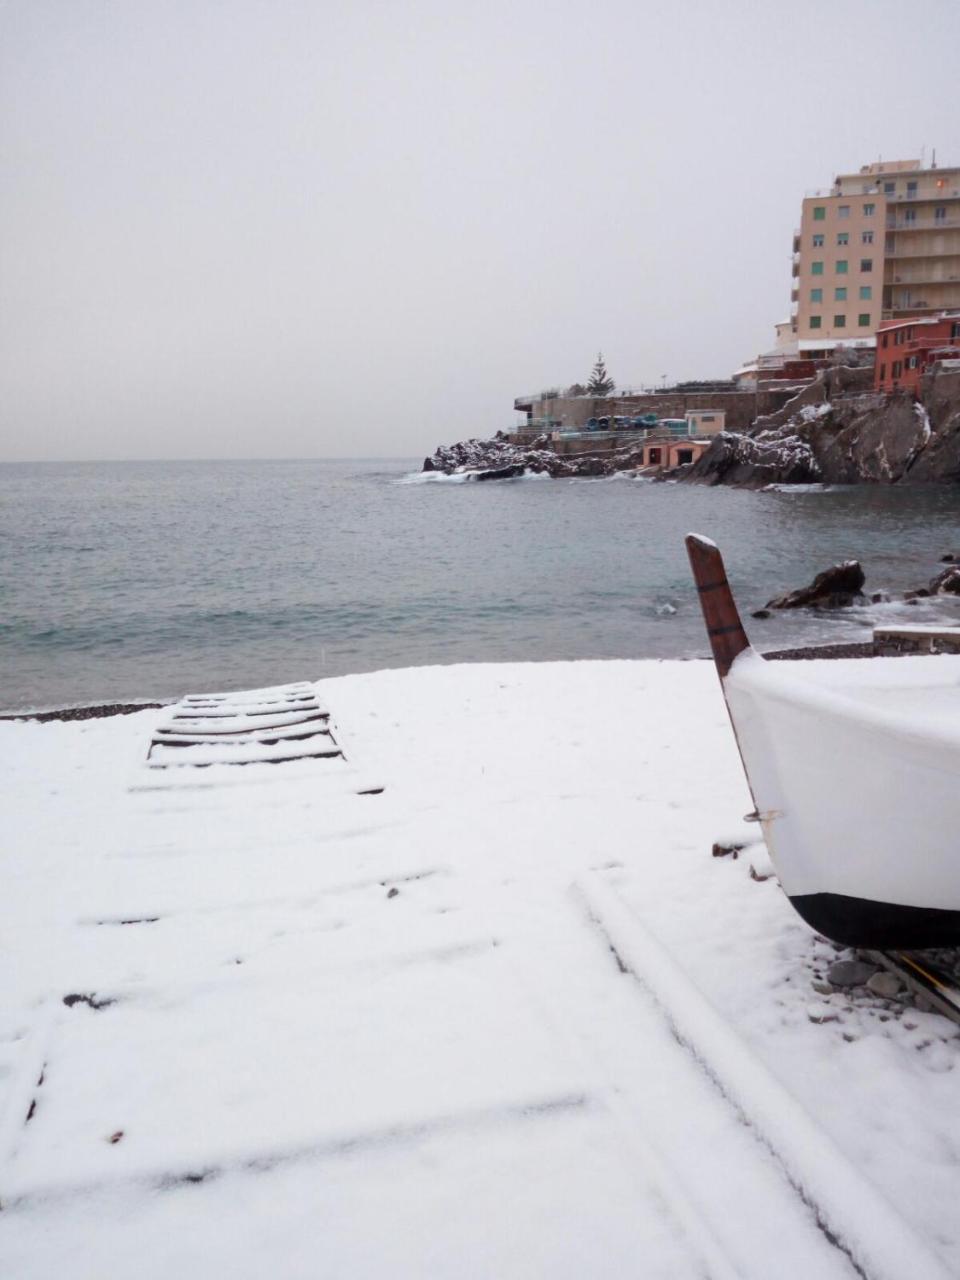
906 349
664 452
705 422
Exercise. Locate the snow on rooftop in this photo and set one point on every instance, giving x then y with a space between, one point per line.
276 1029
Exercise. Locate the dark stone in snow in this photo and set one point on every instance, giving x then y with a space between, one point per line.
836 587
760 613
884 984
850 973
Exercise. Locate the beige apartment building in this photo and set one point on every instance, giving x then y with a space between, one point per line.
881 244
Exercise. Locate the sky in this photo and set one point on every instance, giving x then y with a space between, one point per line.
279 228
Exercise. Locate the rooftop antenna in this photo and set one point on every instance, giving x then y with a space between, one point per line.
933 158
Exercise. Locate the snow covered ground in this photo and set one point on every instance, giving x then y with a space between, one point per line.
508 1018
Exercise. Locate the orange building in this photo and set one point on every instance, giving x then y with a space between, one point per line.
906 348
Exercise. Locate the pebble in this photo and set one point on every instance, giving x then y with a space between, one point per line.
821 1013
884 984
822 988
850 973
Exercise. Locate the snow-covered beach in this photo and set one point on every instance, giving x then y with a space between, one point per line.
506 1018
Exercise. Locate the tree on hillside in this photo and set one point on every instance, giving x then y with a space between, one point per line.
600 384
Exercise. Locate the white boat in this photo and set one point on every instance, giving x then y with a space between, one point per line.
854 769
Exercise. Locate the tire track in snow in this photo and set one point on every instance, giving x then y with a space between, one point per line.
854 1217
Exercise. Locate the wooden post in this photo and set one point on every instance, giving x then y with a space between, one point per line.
727 636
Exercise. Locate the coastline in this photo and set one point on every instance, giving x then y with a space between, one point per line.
103 710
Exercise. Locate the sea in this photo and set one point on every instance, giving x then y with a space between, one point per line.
128 581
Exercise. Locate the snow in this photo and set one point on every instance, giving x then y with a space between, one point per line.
811 412
385 1035
925 428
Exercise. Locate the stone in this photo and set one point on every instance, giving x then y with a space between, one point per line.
760 613
509 472
821 1013
721 850
949 558
947 582
850 973
834 588
822 988
884 984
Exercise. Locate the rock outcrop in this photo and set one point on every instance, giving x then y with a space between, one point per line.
497 459
835 431
835 588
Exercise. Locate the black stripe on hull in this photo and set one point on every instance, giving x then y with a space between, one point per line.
884 926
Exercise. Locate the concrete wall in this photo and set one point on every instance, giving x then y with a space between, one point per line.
740 407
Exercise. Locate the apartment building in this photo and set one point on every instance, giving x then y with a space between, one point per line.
882 244
838 271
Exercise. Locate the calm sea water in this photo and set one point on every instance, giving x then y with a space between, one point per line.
121 581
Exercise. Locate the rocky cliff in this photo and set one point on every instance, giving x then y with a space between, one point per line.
496 459
836 431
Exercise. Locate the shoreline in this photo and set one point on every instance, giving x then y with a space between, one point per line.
103 710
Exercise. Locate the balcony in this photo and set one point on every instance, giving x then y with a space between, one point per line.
912 252
925 276
922 224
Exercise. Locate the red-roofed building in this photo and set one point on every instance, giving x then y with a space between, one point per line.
907 348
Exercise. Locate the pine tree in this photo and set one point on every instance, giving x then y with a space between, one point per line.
600 384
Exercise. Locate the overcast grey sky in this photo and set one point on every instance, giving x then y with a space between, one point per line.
268 228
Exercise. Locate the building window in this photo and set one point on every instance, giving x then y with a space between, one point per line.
955 329
840 295
883 372
909 215
866 264
819 212
896 369
707 417
841 266
843 211
866 237
912 189
816 295
885 340
683 456
814 322
940 213
843 237
866 293
818 242
863 320
912 362
816 268
889 188
839 322
868 210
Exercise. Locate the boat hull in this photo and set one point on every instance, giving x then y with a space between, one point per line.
855 778
880 926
